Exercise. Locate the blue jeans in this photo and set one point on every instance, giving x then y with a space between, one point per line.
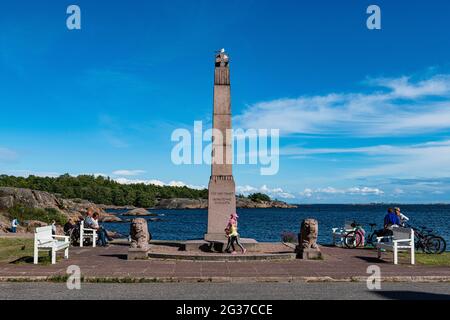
13 229
102 237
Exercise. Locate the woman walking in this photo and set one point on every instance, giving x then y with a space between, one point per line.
233 236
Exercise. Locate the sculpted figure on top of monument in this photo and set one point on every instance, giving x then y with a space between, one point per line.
222 58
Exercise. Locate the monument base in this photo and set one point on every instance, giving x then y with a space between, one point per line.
219 245
137 254
215 237
308 254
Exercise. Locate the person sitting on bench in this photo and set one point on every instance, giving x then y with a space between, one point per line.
102 235
391 219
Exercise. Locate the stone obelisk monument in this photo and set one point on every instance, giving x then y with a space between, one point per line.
221 189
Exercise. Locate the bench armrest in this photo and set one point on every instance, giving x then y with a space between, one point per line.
41 242
384 238
87 229
66 238
403 240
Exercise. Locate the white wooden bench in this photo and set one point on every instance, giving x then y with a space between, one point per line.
44 240
401 240
86 233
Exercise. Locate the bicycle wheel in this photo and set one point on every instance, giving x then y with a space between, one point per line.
353 240
435 245
372 240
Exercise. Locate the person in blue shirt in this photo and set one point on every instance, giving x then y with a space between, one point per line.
391 219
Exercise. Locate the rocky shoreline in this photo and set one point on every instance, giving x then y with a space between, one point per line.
70 208
186 204
76 208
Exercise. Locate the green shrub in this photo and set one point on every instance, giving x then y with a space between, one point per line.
45 215
259 197
289 237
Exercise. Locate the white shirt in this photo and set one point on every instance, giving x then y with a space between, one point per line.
95 224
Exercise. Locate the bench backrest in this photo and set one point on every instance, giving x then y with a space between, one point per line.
82 227
43 234
402 233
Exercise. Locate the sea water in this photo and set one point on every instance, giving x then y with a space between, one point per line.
267 225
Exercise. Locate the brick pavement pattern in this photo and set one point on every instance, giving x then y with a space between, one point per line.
112 262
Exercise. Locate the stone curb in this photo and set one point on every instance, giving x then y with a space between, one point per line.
223 258
106 279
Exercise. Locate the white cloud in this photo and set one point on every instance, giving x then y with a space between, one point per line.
157 183
308 193
128 172
405 88
400 106
428 159
398 191
362 191
139 181
272 192
182 184
99 174
420 160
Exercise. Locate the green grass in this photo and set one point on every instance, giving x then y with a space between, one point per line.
13 249
20 250
44 215
442 260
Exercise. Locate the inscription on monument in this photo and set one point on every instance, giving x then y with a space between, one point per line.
222 197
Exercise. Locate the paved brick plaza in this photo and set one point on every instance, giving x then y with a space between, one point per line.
339 264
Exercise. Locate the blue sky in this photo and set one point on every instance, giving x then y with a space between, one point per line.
364 115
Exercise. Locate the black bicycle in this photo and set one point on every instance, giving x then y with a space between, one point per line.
74 236
427 241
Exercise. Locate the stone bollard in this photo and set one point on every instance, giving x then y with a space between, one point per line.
140 238
307 240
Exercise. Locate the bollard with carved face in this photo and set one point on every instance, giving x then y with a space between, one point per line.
139 234
308 234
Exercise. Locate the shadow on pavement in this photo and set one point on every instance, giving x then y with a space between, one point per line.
412 295
120 256
371 259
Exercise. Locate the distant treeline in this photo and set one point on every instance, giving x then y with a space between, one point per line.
102 190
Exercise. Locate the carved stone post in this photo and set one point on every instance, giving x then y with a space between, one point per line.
140 238
307 240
